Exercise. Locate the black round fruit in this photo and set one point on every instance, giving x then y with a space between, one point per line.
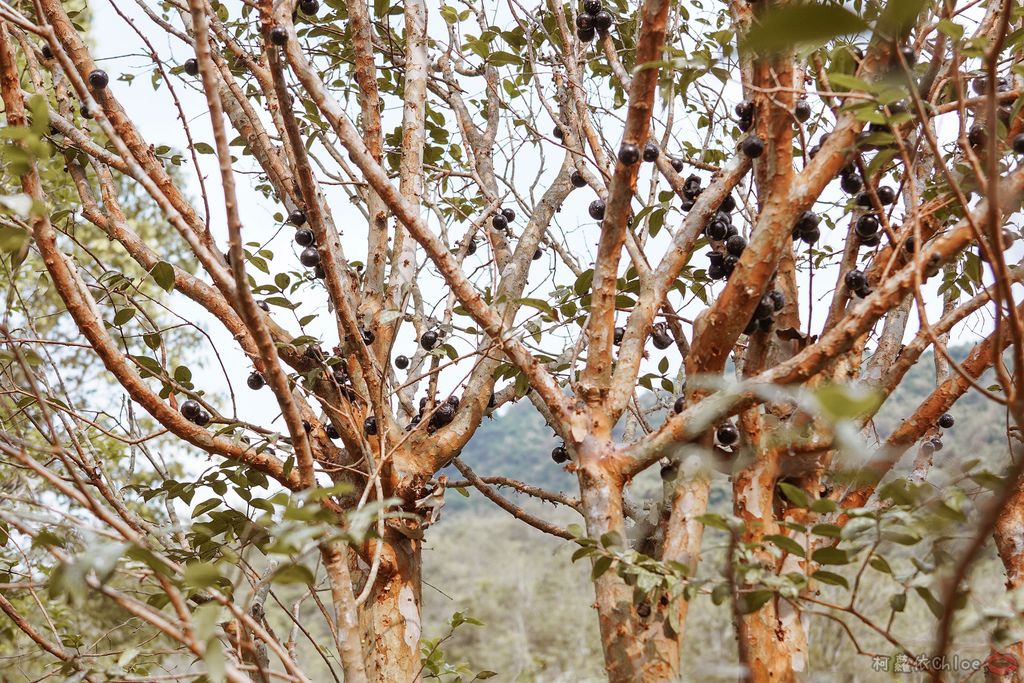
577 179
297 217
192 67
428 340
498 221
619 333
332 433
190 409
586 35
370 426
937 443
603 20
863 200
909 55
264 305
47 52
84 111
778 300
977 135
716 271
584 21
367 335
202 419
669 472
596 209
745 109
870 240
679 405
717 230
1018 144
802 110
886 195
278 36
509 214
910 245
99 79
728 204
851 183
752 147
811 236
946 421
651 152
735 245
677 164
629 153
867 225
309 257
662 339
855 281
401 362
255 381
559 454
309 7
318 272
807 221
591 6
304 237
727 434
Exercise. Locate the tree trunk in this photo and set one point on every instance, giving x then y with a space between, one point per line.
390 617
773 639
1006 665
620 629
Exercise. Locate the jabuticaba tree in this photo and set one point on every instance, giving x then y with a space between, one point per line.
702 239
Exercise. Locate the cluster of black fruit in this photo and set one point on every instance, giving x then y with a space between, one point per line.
857 282
501 219
691 186
629 153
806 227
660 335
727 243
428 340
933 444
764 315
194 413
442 415
309 256
592 19
752 146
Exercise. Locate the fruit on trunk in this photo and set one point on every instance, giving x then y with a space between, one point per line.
255 381
401 362
309 257
99 79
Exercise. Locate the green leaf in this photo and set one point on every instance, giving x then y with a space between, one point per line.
201 575
954 31
783 27
11 238
163 275
827 530
500 58
830 556
795 494
753 601
601 565
123 316
294 573
205 507
787 544
845 402
934 606
831 578
203 148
